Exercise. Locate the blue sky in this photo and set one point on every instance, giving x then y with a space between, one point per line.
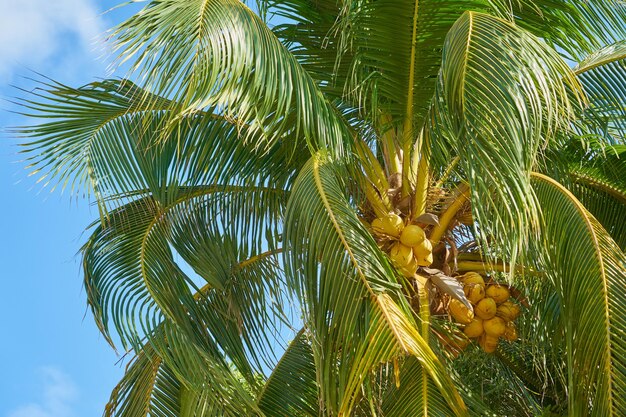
54 362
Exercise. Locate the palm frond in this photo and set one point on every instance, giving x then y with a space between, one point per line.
352 306
307 29
603 76
600 184
220 54
147 388
501 97
410 396
150 387
394 49
588 271
291 390
104 137
133 280
573 27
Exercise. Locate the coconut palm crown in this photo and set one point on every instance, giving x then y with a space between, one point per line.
303 206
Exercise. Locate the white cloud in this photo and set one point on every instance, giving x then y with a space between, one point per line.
59 392
33 32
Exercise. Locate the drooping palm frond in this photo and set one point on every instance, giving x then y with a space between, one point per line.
574 28
150 387
603 75
588 271
501 97
349 293
221 54
307 29
291 390
133 279
606 207
147 388
600 184
105 138
410 397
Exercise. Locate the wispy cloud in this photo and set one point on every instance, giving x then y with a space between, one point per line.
33 33
58 395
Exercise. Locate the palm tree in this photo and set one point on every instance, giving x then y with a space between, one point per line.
239 167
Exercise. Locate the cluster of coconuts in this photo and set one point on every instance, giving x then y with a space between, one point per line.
494 312
407 244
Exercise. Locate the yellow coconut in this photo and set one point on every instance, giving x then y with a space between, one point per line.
460 312
488 343
426 260
510 333
513 308
409 269
495 326
423 252
475 328
392 225
499 293
486 308
401 255
505 311
412 235
472 278
474 292
377 227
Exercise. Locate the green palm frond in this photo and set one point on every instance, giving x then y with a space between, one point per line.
307 28
608 208
221 54
501 97
588 271
600 184
104 138
150 387
291 390
78 122
603 75
348 291
410 397
147 388
132 277
395 53
573 27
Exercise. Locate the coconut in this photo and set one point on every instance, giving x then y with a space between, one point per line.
494 327
392 225
498 292
377 227
510 333
505 311
474 329
486 308
474 292
488 343
513 308
412 235
409 269
423 253
472 278
460 312
401 255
